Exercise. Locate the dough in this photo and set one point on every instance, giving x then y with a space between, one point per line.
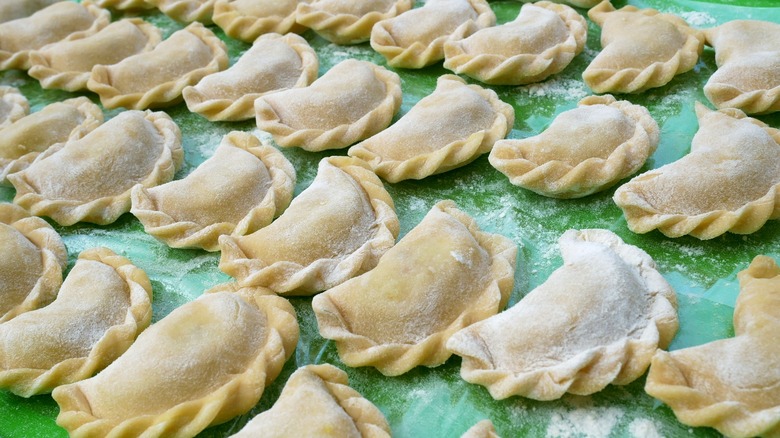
246 20
347 21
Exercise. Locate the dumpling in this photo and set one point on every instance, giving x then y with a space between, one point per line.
642 49
23 141
445 274
204 363
13 105
237 191
13 9
728 182
274 63
352 101
89 179
34 258
583 151
104 303
416 38
125 5
748 58
730 384
483 429
316 402
347 21
246 20
186 10
157 77
597 320
337 228
447 129
67 65
540 42
60 21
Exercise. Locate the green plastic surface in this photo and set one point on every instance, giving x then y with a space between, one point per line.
436 402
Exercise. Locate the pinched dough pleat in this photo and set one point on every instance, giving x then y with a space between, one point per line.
67 65
748 57
445 274
274 63
447 129
246 20
204 363
186 11
583 151
729 182
104 303
157 77
125 5
416 38
730 384
540 42
642 49
237 191
597 320
27 138
13 9
483 429
347 21
337 228
352 101
33 260
61 21
13 105
89 179
317 402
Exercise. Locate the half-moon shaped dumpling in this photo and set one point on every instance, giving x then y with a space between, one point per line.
483 429
337 228
237 191
13 105
728 182
597 320
583 151
748 57
60 21
186 11
67 65
347 21
416 38
730 384
317 402
104 303
246 20
204 363
157 77
33 260
447 129
352 101
642 49
89 179
274 63
444 275
13 9
540 42
23 141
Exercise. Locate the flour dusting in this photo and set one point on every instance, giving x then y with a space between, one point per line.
587 422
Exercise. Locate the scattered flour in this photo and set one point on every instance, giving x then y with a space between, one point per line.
556 87
698 19
643 428
583 422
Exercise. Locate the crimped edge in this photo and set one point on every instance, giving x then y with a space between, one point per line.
728 95
19 106
248 28
340 28
186 11
124 5
482 429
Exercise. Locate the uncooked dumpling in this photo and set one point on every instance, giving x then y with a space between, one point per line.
335 229
13 9
13 105
186 11
125 5
445 274
246 20
597 320
347 21
483 429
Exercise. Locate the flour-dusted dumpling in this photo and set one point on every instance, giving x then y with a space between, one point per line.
447 129
597 320
445 274
237 191
13 9
246 20
186 11
13 105
730 384
347 21
202 364
583 151
337 228
483 429
23 141
274 63
748 57
89 179
33 260
317 402
642 49
67 65
352 101
540 42
60 21
157 77
728 182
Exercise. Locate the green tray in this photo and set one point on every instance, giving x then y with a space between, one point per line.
436 402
